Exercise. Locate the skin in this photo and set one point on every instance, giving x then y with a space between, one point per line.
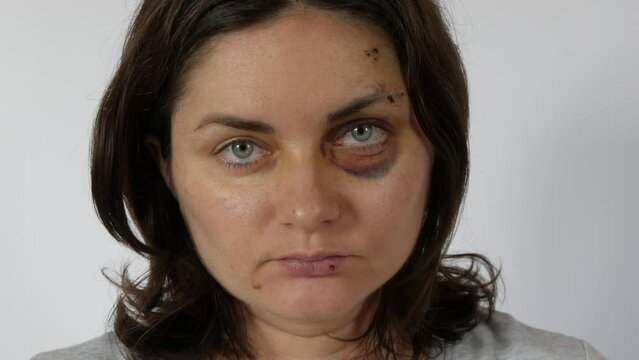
307 189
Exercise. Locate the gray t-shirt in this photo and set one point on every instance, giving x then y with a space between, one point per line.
502 338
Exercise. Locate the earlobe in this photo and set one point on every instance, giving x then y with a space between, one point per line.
154 148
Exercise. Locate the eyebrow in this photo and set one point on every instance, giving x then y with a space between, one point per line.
236 122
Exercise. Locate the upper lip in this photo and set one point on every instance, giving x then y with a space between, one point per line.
310 257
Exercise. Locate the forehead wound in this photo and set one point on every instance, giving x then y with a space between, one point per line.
393 96
372 54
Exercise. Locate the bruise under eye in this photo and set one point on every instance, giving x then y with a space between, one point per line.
369 160
369 166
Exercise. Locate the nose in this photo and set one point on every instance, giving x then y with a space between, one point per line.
307 195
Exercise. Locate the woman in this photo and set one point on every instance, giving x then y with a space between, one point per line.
293 171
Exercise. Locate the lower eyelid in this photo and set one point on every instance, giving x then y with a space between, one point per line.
364 148
367 147
235 165
240 165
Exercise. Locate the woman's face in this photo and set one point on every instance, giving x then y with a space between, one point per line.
291 142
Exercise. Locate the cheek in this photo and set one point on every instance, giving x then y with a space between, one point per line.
393 211
222 225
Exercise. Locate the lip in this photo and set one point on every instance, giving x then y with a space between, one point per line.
315 265
310 257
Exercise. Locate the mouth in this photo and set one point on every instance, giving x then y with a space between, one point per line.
311 257
312 265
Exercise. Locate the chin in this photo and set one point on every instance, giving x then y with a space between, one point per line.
316 299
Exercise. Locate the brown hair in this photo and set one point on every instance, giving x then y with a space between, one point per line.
177 309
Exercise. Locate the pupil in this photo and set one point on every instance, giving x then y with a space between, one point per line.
242 150
362 133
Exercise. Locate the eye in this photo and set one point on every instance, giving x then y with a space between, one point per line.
238 153
242 149
362 132
364 136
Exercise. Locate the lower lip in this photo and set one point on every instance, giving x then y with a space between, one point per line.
322 267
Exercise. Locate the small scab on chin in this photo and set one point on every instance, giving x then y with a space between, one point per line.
373 53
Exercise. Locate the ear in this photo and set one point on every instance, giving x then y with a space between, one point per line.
153 146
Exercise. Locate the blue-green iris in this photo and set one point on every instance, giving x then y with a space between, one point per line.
362 132
242 149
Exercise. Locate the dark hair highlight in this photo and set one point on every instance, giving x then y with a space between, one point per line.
177 310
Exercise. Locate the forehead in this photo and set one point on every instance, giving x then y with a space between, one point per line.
306 52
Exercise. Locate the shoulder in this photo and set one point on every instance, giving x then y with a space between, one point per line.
103 347
504 337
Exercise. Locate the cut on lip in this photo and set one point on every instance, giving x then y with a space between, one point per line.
325 266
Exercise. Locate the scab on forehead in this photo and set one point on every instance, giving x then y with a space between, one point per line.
392 98
372 53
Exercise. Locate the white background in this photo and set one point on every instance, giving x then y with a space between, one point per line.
553 191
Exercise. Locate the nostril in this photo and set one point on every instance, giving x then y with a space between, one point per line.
305 200
307 215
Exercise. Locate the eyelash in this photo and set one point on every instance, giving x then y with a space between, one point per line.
376 125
